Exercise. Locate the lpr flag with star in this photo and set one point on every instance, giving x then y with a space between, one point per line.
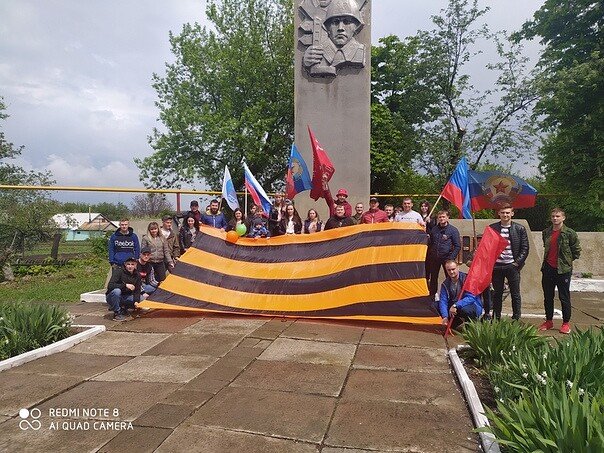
297 178
491 189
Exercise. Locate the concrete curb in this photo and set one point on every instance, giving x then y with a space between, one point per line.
53 348
93 296
587 285
488 441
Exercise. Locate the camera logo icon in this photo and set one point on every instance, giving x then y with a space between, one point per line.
29 419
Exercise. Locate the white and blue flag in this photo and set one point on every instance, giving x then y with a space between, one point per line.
228 190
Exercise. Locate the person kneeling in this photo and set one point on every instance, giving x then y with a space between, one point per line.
462 309
123 289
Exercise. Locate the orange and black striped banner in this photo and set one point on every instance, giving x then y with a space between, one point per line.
366 272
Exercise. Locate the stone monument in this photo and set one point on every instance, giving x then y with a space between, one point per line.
332 77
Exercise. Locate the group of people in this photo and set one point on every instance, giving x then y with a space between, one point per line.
139 267
561 245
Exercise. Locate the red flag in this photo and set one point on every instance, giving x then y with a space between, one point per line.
479 276
321 165
480 273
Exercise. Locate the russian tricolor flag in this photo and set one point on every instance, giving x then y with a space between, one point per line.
256 191
457 189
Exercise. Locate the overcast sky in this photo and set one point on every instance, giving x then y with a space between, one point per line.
76 76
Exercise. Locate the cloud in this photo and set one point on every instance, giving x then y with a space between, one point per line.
79 171
78 83
76 76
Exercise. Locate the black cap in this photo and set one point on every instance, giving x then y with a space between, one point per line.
372 199
194 203
130 258
145 250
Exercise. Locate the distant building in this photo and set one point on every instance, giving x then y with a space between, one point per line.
79 226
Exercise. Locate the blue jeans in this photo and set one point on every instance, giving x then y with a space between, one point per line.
119 302
149 289
464 314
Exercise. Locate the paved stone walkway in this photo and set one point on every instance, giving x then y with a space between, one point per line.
250 384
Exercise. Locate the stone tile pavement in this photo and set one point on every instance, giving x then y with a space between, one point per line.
186 382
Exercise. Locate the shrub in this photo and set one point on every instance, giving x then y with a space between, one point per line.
27 326
100 245
553 420
491 342
549 398
35 269
577 361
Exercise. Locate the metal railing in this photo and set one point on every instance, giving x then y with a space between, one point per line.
179 192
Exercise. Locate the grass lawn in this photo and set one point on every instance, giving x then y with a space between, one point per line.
65 285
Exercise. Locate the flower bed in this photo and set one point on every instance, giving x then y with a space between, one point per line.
28 326
549 397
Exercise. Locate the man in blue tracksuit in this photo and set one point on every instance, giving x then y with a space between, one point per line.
123 244
450 304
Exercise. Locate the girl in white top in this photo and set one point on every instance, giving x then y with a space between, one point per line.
291 223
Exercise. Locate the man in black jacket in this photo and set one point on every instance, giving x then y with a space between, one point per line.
339 219
123 289
510 262
445 244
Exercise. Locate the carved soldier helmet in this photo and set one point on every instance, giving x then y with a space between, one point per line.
348 8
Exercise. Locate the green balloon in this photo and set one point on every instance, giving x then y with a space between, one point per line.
241 229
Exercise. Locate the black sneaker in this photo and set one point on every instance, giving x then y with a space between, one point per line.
119 317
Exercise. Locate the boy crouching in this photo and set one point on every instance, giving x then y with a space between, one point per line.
123 289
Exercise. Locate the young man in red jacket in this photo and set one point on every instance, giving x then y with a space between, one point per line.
375 214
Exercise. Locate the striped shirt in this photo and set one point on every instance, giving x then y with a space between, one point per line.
506 256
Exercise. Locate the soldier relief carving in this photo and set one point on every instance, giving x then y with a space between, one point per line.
328 29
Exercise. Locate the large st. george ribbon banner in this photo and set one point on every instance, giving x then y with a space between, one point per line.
363 272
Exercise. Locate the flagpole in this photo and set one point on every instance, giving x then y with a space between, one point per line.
434 206
245 201
448 328
474 231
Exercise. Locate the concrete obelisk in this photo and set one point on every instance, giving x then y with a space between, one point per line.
332 77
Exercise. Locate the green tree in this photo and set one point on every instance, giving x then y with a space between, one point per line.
111 211
459 119
571 106
229 95
401 103
25 215
150 205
